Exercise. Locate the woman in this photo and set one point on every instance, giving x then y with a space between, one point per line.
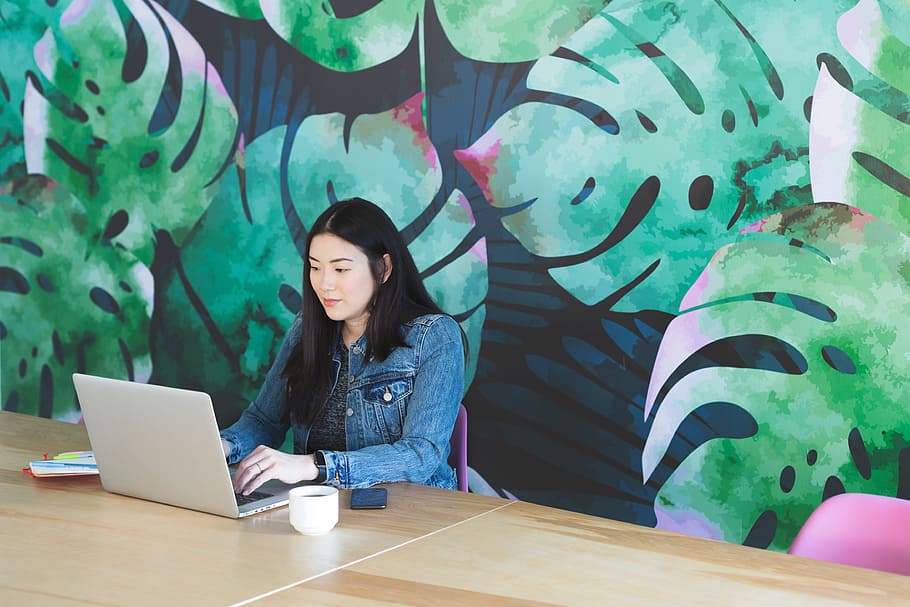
369 376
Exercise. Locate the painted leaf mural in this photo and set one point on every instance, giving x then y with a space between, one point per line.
827 285
135 161
719 141
181 149
105 291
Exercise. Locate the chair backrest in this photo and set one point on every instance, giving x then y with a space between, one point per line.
458 445
871 531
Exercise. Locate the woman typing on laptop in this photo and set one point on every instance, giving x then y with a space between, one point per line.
369 376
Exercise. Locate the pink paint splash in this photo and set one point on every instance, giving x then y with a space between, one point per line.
410 115
480 162
860 219
464 204
214 80
191 56
479 250
74 12
758 226
695 295
42 52
688 522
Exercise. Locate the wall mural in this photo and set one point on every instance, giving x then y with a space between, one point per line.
675 233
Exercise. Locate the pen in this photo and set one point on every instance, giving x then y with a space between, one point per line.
73 455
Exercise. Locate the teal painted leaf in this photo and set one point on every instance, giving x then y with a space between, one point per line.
619 191
22 23
398 169
508 31
456 280
50 263
861 117
829 283
235 288
397 165
113 145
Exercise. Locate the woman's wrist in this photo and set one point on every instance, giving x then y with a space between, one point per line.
309 470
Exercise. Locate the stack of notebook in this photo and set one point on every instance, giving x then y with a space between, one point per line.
70 463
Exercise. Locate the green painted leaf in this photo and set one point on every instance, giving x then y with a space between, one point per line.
646 188
22 23
237 273
346 44
861 118
842 292
68 302
831 282
102 150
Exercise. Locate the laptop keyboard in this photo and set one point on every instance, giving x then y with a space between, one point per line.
252 497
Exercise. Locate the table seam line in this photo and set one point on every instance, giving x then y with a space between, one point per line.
365 558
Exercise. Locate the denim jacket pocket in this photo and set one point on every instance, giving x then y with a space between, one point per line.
388 400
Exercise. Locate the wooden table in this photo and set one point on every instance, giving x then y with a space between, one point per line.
77 545
534 555
68 542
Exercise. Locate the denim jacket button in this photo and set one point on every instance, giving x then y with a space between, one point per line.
349 412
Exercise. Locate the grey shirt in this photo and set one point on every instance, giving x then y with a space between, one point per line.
328 427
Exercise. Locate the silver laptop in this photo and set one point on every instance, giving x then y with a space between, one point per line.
162 444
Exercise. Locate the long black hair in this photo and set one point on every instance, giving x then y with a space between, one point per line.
402 297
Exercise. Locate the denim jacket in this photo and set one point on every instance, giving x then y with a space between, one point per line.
400 411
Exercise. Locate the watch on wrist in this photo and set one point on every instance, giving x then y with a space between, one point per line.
319 458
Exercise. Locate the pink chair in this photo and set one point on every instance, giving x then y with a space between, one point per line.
458 448
859 529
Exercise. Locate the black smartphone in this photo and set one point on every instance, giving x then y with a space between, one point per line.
372 497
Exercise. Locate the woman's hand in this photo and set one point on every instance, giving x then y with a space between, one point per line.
264 464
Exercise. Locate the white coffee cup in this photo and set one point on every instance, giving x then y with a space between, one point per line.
313 509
